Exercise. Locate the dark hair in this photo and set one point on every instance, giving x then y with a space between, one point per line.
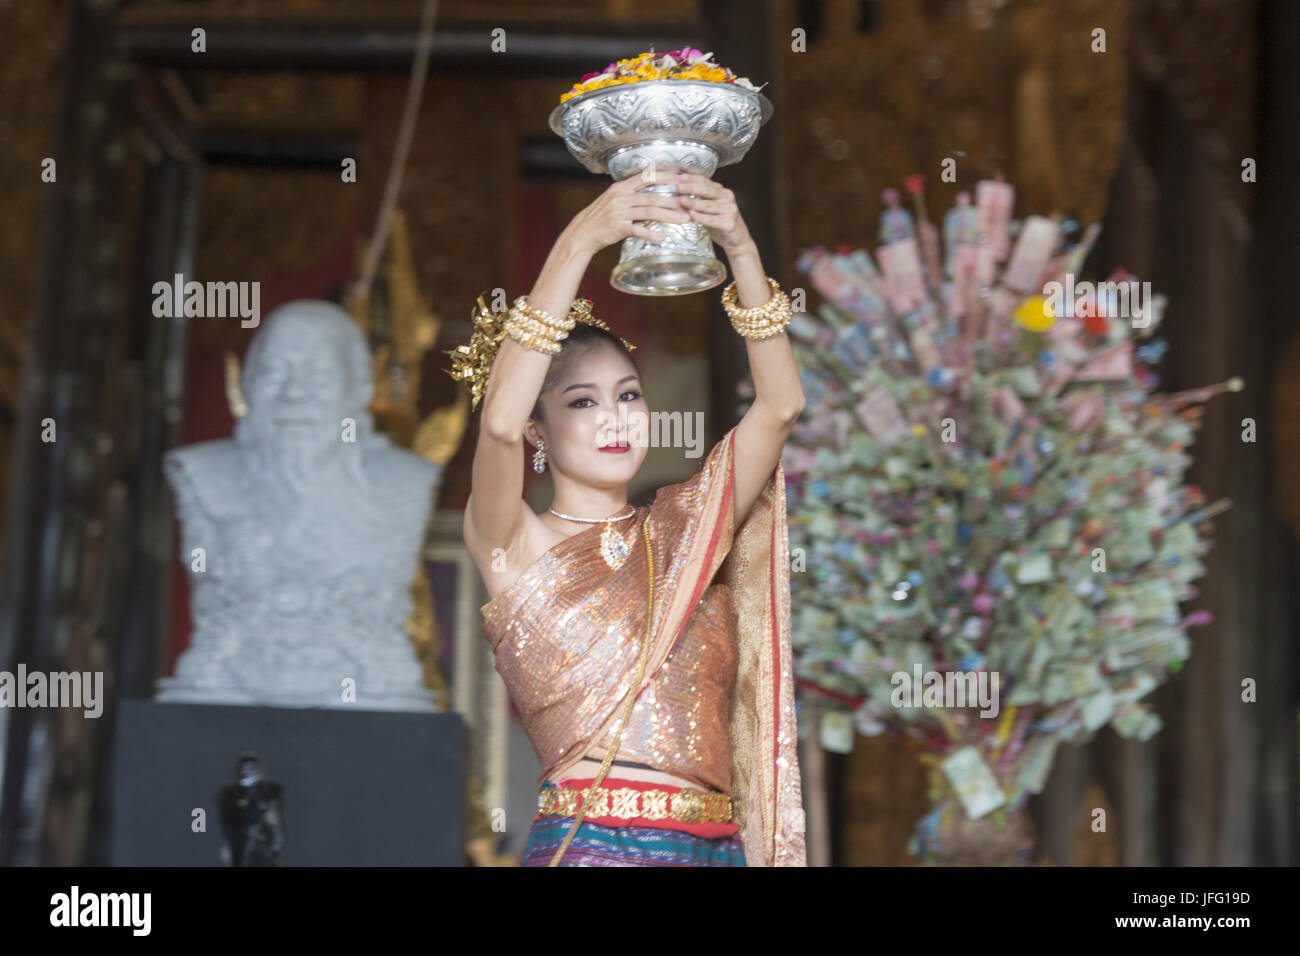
581 338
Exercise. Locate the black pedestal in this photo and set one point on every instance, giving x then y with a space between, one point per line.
361 788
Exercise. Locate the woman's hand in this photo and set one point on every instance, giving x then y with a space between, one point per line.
619 211
713 206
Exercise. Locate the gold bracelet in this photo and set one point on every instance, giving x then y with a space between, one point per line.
536 328
730 301
565 324
529 341
526 322
762 321
762 333
532 341
521 303
532 334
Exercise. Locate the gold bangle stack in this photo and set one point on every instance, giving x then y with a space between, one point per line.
760 322
537 329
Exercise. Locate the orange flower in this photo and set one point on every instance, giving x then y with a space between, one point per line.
644 68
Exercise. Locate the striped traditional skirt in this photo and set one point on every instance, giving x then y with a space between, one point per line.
596 845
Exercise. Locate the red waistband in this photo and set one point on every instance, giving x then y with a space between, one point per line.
707 830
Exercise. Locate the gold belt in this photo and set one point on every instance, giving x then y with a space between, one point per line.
624 803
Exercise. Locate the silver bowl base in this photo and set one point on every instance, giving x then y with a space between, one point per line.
669 274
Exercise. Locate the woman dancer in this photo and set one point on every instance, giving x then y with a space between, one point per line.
656 634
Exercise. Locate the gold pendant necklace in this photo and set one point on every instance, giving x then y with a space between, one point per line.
613 546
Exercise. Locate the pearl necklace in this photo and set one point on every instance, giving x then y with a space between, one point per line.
613 546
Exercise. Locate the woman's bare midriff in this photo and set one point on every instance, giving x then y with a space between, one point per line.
589 767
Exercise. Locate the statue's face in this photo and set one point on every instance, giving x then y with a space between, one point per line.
596 404
249 772
298 391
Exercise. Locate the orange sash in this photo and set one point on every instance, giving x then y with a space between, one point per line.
755 564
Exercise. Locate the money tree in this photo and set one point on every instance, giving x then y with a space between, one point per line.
990 531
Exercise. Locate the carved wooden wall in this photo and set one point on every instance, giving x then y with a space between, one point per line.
30 49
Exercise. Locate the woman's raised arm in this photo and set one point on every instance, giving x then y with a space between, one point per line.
494 513
778 391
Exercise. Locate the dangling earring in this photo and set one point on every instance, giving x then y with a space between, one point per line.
539 457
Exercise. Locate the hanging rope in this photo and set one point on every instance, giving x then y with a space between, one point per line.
402 149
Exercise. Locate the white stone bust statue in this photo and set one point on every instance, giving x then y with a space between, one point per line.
310 526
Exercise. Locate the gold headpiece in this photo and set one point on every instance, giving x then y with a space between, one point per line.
472 363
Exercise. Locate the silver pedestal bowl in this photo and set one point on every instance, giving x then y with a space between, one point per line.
654 126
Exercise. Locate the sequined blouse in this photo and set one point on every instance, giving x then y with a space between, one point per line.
566 636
